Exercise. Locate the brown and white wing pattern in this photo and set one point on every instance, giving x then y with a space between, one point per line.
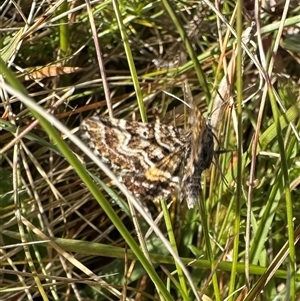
151 159
132 148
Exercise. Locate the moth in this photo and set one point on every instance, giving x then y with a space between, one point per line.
153 160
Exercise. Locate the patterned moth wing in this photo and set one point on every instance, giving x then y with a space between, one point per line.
153 160
133 148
